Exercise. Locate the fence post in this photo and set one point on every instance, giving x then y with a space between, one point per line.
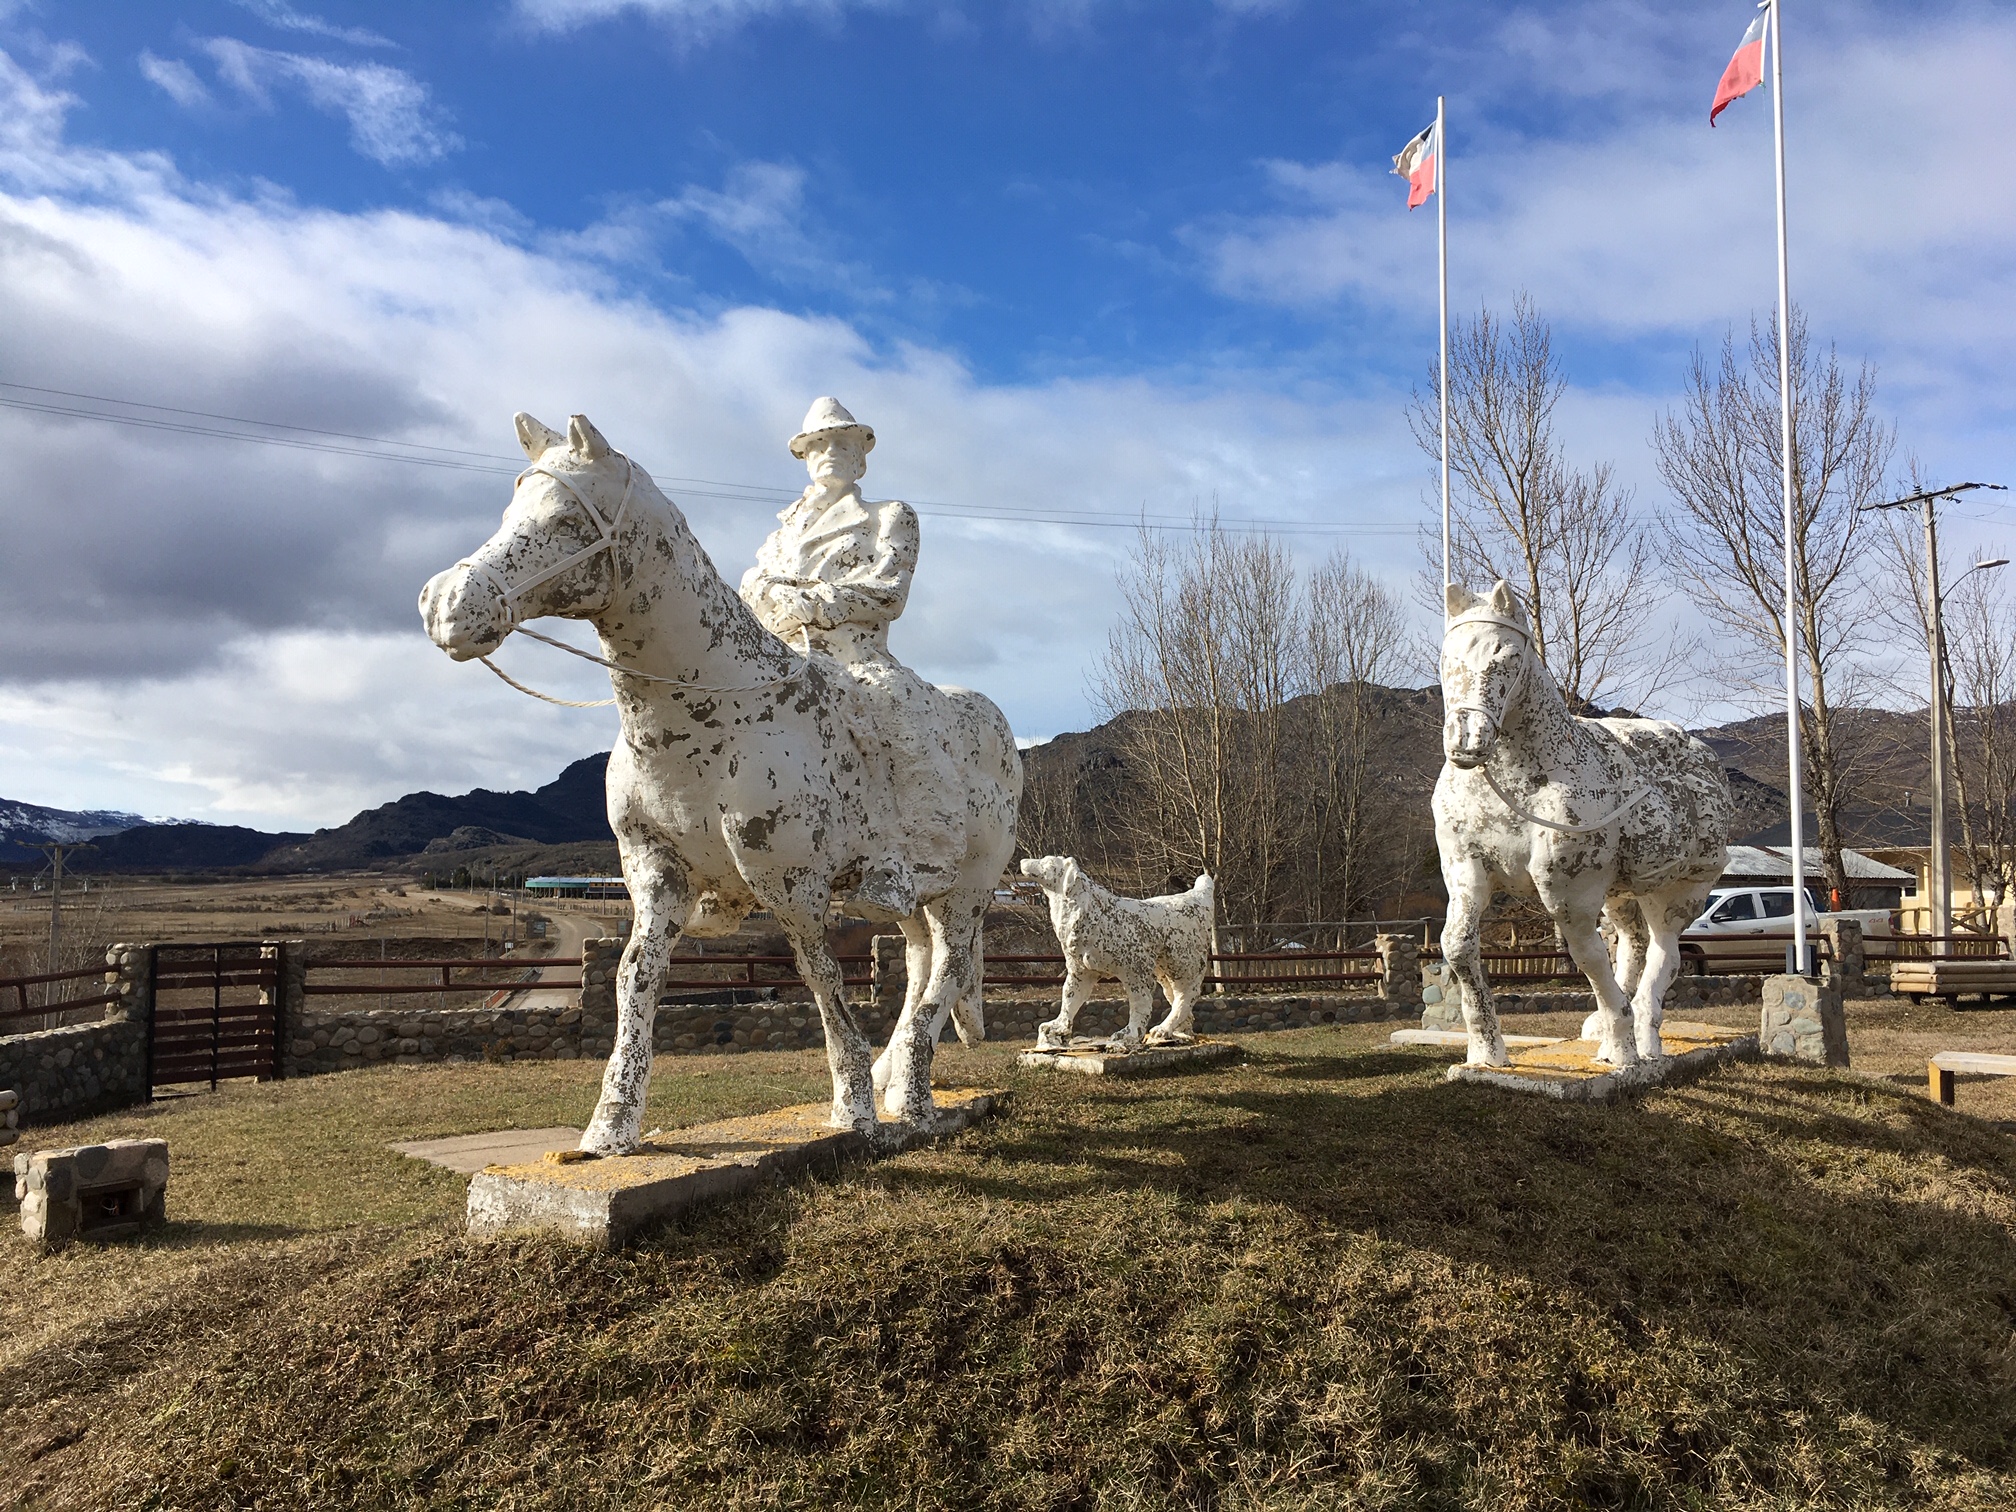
888 976
599 960
1847 961
129 971
1399 973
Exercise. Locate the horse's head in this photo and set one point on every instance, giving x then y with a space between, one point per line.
1487 651
555 553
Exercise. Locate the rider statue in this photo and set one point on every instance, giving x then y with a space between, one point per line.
836 570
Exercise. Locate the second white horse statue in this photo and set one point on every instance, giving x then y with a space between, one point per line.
1624 816
738 779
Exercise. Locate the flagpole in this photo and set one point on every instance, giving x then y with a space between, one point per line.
1442 244
1794 746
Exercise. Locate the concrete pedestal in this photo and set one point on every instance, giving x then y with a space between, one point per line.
1803 1020
604 1202
1568 1070
1094 1059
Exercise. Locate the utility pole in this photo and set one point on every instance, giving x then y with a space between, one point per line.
1939 864
56 851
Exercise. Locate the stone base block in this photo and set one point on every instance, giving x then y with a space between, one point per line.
1803 1020
1459 1039
102 1191
1568 1070
605 1202
1092 1058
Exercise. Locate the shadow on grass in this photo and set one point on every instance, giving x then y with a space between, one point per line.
1777 1212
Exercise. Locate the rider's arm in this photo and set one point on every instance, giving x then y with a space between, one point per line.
874 589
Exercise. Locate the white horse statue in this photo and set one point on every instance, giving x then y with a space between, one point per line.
1628 816
737 782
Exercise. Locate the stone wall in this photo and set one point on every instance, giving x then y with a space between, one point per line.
77 1070
81 1069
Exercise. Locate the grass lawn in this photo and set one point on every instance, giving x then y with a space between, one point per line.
1322 1278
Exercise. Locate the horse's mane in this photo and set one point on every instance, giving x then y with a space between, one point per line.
733 620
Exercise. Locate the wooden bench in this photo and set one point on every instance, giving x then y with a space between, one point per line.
1939 1073
1952 980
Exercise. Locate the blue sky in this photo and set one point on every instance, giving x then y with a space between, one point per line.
1066 255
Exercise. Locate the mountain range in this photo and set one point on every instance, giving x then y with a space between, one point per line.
1888 758
568 810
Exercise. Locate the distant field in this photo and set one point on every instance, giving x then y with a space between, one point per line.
1321 1279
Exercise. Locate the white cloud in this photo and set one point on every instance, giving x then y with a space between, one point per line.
392 120
760 211
228 631
279 13
695 20
175 79
1653 227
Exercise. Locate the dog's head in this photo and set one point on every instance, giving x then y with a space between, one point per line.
1054 874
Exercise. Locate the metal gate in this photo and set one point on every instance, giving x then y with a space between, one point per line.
216 1013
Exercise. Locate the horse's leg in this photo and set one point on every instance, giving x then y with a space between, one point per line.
963 920
1577 909
954 922
1056 1033
1628 919
1667 913
1469 884
659 894
849 1057
916 972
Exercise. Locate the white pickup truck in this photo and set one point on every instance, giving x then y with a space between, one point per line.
1735 915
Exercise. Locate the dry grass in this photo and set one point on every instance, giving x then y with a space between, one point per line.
1324 1278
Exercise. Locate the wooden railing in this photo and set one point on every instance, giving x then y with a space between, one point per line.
20 1008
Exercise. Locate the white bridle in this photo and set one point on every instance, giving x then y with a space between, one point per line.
607 532
1475 617
508 594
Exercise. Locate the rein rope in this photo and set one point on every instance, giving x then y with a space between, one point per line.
508 595
1623 807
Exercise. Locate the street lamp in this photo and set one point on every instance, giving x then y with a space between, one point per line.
1938 871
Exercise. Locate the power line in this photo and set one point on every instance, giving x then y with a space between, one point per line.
455 459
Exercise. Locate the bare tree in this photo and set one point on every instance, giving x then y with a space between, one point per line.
1979 672
1239 701
1564 538
1719 455
1354 641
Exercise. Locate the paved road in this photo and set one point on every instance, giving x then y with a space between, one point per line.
564 937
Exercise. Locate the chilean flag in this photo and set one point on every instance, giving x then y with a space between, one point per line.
1416 163
1745 71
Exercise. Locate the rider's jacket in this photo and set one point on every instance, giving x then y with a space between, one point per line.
840 570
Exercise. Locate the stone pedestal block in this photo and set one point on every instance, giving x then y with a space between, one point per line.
10 1116
1399 970
102 1191
605 1201
1803 1020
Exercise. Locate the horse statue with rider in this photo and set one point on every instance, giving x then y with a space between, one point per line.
773 753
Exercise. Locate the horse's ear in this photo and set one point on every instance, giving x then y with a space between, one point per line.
535 436
1503 600
585 439
1456 598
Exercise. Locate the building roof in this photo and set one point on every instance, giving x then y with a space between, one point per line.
1776 861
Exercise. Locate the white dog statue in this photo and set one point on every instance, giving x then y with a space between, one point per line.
1141 941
